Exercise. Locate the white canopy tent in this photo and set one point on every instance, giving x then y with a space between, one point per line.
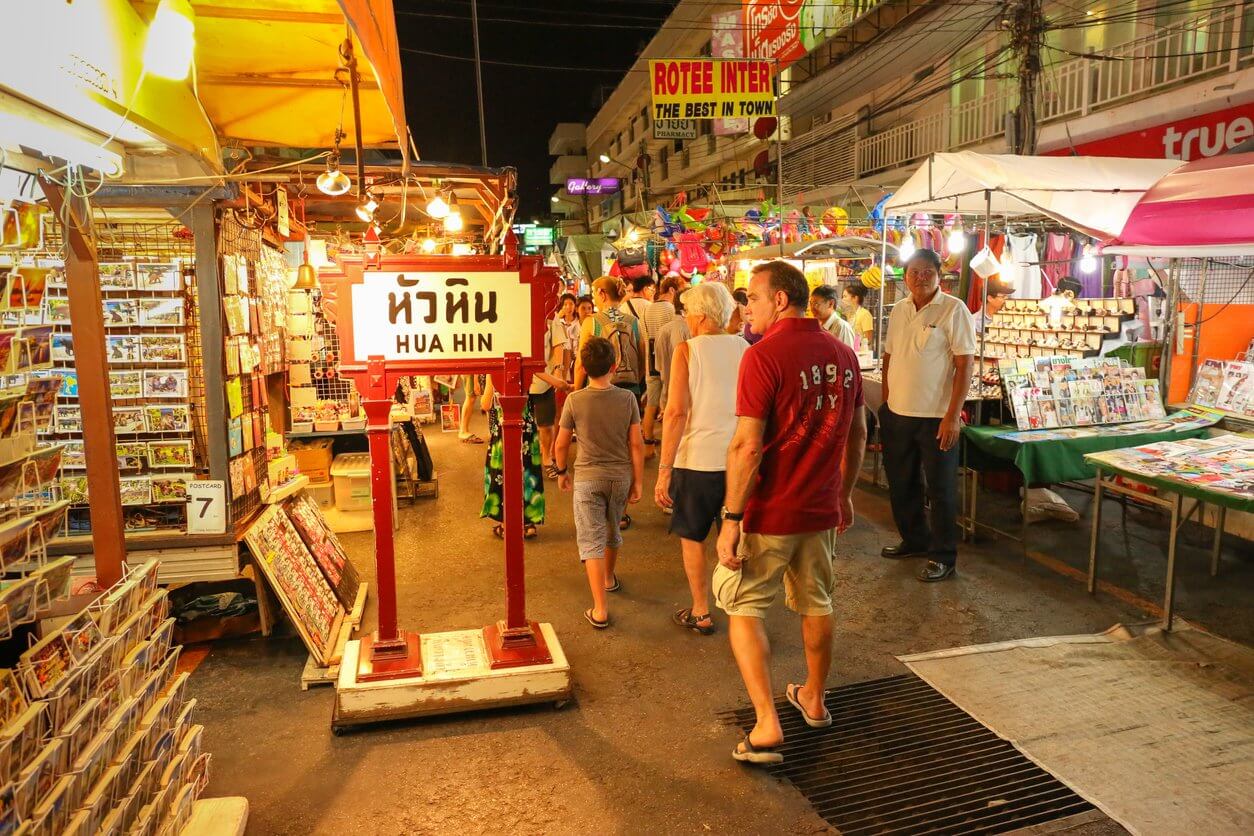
1093 195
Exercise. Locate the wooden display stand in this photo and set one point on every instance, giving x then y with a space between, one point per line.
441 315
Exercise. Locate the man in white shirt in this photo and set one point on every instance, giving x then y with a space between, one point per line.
824 306
928 353
659 314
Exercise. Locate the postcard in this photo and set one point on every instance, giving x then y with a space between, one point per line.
170 487
62 348
165 383
125 385
27 284
129 419
56 310
74 489
161 311
67 418
162 348
166 419
116 276
69 383
119 313
132 455
165 454
136 490
159 277
122 348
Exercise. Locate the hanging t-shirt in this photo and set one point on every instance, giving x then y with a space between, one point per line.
1057 262
1022 269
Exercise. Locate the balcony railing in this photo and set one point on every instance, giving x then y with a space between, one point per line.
1206 45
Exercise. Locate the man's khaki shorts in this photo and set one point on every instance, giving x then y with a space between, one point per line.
802 561
653 391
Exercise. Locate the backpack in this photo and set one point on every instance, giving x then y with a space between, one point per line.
627 352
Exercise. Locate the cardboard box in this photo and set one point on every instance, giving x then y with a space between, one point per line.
313 458
351 472
322 493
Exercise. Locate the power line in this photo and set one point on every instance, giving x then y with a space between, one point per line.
445 55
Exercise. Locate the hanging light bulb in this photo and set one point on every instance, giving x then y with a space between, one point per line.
604 158
333 181
905 249
1088 262
428 245
957 240
454 221
171 40
366 210
437 207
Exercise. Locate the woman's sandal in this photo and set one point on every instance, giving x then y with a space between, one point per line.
746 752
530 531
472 439
685 618
625 522
498 531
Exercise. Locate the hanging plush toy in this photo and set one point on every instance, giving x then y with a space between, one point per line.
872 277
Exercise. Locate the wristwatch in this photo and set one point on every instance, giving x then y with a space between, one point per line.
728 515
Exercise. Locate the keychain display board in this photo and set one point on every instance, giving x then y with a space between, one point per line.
96 730
254 306
156 377
325 547
296 577
1055 326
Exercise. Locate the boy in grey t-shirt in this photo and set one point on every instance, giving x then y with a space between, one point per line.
608 470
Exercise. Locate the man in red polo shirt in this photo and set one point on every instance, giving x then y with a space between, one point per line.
791 469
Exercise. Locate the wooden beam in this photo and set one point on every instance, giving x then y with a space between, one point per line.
209 310
108 530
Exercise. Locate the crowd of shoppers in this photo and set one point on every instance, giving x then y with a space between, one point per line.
762 435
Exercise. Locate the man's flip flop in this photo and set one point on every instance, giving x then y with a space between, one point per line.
617 585
746 752
822 723
600 625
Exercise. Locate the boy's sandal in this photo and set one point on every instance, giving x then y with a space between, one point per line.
617 587
499 531
625 522
685 618
600 625
530 531
746 752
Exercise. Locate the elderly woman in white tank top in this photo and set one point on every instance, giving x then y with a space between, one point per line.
697 428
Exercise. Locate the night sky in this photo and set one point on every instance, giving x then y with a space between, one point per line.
522 105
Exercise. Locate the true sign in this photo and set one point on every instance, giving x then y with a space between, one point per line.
689 88
592 185
419 316
674 128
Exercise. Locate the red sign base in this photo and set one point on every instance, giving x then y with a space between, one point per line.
397 659
515 648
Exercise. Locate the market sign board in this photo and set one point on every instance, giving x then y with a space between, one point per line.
592 185
702 88
425 316
785 30
539 236
674 128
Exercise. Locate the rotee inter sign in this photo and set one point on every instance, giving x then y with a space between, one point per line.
692 88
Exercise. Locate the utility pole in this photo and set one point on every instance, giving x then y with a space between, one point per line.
1027 30
483 130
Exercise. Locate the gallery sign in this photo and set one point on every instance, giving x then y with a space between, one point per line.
702 88
674 128
592 185
424 316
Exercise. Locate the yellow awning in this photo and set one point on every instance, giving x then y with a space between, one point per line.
266 72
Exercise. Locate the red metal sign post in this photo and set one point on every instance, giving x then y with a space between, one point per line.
406 315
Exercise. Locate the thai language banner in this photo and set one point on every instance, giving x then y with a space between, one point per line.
688 88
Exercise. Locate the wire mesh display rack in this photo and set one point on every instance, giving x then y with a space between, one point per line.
156 372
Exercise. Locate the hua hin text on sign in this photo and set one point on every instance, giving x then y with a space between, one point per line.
689 88
441 316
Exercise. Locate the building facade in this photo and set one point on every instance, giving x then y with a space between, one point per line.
869 89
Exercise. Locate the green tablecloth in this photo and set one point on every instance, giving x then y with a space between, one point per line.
1237 502
1054 460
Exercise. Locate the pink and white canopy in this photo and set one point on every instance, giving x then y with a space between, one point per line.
1202 208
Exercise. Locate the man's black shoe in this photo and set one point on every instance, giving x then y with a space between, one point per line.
901 550
933 572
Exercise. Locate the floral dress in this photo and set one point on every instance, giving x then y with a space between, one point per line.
494 469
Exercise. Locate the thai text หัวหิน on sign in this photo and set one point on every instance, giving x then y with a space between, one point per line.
690 88
441 316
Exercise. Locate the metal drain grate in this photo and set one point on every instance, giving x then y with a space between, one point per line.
900 758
